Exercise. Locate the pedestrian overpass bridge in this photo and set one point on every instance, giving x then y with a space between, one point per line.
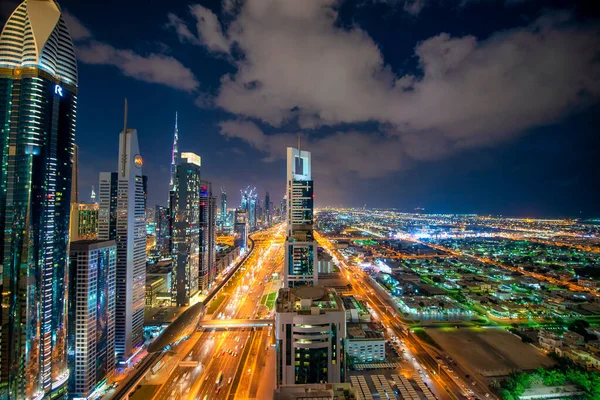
235 323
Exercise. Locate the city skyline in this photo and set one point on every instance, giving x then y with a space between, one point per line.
537 168
287 297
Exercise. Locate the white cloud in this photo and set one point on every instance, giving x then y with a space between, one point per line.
152 67
208 28
298 63
77 31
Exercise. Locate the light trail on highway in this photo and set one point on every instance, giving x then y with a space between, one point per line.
220 354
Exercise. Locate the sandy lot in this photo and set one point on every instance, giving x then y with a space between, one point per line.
488 350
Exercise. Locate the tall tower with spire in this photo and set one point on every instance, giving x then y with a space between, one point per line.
174 156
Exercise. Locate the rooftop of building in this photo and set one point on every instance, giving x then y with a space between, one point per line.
363 332
91 244
306 299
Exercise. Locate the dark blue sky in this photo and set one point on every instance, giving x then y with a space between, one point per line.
484 106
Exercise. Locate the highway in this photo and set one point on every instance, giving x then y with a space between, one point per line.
220 352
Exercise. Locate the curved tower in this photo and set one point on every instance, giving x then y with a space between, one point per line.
38 105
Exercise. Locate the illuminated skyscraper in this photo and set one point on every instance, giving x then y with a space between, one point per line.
300 246
240 229
130 239
185 234
163 229
310 320
268 216
84 222
91 343
208 239
38 105
223 210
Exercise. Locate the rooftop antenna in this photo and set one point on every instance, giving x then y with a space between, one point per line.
125 117
298 143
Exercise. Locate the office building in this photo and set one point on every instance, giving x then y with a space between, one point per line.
91 338
38 107
240 230
156 290
268 218
107 206
310 329
130 236
208 238
84 222
223 209
163 229
185 229
150 221
300 267
365 345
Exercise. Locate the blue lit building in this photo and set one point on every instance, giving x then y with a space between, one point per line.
38 106
91 333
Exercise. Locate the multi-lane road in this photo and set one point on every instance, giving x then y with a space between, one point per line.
223 355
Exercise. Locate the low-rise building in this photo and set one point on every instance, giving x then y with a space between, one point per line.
356 311
549 340
365 345
580 356
324 263
573 339
226 255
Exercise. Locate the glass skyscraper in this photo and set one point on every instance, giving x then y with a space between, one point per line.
185 235
38 105
91 334
301 255
208 225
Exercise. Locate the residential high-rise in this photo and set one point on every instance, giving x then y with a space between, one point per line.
240 229
84 222
163 229
310 331
185 229
130 239
300 246
38 107
91 309
208 239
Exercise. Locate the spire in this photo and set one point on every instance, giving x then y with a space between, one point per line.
174 155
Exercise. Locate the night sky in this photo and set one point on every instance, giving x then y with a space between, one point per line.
485 106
